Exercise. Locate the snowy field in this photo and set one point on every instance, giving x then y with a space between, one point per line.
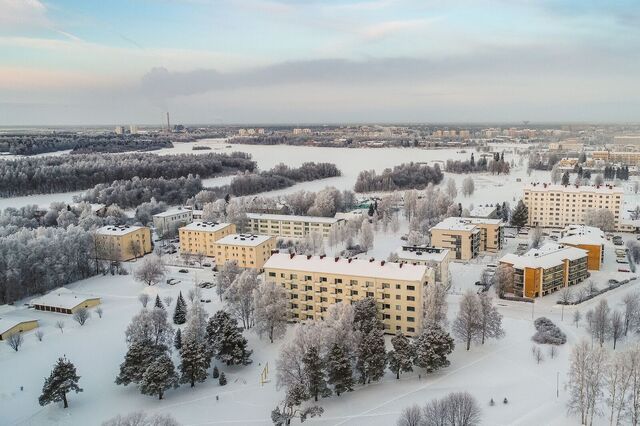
499 369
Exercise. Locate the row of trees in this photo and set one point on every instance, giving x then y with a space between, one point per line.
455 409
38 175
612 172
404 176
496 165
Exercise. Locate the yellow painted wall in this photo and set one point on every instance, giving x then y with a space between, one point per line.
19 328
245 256
203 241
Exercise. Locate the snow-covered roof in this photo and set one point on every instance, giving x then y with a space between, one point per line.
118 229
7 324
482 211
464 223
292 218
250 240
172 212
549 255
603 189
421 253
342 266
582 234
62 298
205 226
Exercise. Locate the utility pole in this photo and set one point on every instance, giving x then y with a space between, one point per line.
558 384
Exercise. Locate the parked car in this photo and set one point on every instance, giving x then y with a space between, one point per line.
183 271
206 265
205 300
612 281
622 260
623 270
618 242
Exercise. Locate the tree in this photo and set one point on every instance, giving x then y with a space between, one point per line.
99 311
576 318
314 373
226 341
370 347
468 187
222 380
586 380
159 376
490 320
216 372
39 335
616 327
556 174
598 180
226 275
142 419
503 279
15 340
400 358
452 191
600 325
81 316
410 416
271 310
138 357
536 237
432 347
195 361
151 271
466 325
150 325
282 415
455 409
435 305
180 312
177 341
158 303
565 179
60 325
144 299
600 218
366 235
62 380
240 296
339 373
520 215
565 298
631 310
135 248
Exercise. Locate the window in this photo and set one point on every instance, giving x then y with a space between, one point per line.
411 287
272 274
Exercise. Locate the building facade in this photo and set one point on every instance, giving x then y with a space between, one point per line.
171 220
559 206
468 237
314 283
630 158
548 269
122 243
433 257
201 237
64 301
290 226
586 238
11 326
247 250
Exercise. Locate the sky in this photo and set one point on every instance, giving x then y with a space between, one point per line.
90 62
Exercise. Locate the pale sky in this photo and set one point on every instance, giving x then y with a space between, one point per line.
310 61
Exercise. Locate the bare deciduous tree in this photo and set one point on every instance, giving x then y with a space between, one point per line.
144 299
39 335
60 325
99 311
466 325
410 416
151 271
15 340
616 327
81 316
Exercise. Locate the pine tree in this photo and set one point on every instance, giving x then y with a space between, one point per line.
314 373
226 340
138 357
196 360
520 215
159 303
62 380
180 313
177 341
432 347
216 372
401 357
565 179
159 376
223 379
339 373
371 358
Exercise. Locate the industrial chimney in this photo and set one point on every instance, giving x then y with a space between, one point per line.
168 123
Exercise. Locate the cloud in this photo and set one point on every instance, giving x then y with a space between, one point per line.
22 13
390 28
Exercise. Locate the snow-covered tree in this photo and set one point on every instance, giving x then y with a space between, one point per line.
586 380
314 373
271 310
452 190
62 380
466 325
370 350
366 236
435 305
140 354
503 279
400 358
411 416
195 360
600 218
490 320
159 376
180 312
616 327
152 326
468 187
158 303
226 275
226 341
177 340
536 237
142 419
631 310
600 324
520 215
196 327
151 271
240 296
339 372
432 347
290 409
556 174
15 340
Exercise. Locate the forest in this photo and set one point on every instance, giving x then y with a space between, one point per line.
404 176
41 175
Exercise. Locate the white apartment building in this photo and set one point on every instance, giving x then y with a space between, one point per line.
172 219
282 225
557 206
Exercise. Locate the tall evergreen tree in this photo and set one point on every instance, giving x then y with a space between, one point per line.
177 341
159 303
159 376
371 356
401 357
565 179
195 361
339 373
314 373
222 380
226 340
180 313
432 347
520 215
62 380
138 357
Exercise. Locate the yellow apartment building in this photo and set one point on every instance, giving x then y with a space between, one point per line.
559 206
433 257
201 237
542 271
316 282
586 238
630 158
282 225
123 242
467 237
247 250
13 326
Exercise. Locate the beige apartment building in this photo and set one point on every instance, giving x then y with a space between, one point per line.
247 250
556 206
433 257
282 225
201 237
467 237
122 243
315 283
630 158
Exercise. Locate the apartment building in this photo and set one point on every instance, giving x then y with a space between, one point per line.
630 158
122 243
247 250
201 237
172 220
433 257
316 282
282 225
545 270
558 205
587 238
467 237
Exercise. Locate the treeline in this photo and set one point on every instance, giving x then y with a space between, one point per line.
281 176
404 176
24 176
611 172
33 261
136 191
539 161
496 165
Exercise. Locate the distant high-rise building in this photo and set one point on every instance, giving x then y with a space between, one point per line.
119 130
133 129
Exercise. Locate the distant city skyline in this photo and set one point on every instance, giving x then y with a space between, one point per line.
73 62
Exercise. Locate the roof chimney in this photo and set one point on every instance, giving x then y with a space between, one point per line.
336 259
292 255
308 256
382 263
349 260
371 260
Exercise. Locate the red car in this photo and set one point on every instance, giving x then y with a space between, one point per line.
623 270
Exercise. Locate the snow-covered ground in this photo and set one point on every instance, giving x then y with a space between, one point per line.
499 369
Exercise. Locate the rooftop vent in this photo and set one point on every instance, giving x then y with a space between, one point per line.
292 255
382 263
308 256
